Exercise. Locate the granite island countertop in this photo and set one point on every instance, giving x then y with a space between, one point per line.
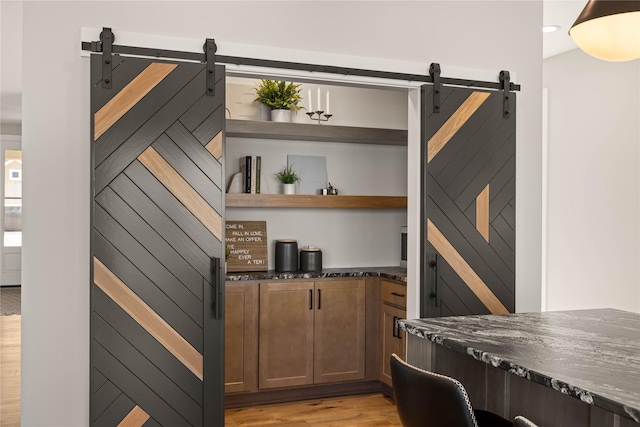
392 273
592 355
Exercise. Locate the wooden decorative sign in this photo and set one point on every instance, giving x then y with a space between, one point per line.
247 241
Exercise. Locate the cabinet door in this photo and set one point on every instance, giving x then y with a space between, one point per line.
393 339
339 331
286 334
241 365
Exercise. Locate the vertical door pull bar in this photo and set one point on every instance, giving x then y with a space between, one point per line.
433 264
394 326
216 292
319 297
310 299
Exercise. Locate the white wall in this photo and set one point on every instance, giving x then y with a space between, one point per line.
55 333
593 200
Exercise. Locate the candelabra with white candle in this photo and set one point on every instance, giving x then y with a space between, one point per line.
319 113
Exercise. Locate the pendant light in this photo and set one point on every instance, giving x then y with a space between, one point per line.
609 29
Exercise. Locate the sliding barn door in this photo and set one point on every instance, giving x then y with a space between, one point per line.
157 235
468 203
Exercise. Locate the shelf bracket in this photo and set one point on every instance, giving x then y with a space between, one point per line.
210 61
106 40
506 87
434 71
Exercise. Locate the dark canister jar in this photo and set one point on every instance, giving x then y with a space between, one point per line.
310 259
286 255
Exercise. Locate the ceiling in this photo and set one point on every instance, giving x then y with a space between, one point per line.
556 12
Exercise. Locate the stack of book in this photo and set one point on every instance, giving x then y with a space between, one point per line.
250 168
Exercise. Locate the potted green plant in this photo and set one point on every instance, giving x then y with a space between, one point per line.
288 177
281 98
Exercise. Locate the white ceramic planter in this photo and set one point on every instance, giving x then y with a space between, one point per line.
289 188
281 116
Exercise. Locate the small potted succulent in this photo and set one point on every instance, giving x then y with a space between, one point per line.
288 177
281 98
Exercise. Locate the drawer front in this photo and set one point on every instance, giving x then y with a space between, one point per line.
394 293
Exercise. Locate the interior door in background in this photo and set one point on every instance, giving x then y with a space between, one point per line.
11 214
468 202
157 320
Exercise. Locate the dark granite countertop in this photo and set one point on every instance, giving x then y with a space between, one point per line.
592 355
392 273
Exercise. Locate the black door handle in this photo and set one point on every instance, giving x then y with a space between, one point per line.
319 298
217 287
394 327
433 264
310 299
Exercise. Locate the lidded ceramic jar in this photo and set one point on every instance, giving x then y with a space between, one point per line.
310 259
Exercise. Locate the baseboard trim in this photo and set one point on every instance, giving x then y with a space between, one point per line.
302 393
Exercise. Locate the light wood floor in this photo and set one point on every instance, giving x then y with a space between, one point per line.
10 371
366 410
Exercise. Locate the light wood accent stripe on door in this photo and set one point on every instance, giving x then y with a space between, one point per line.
129 96
136 418
180 188
122 295
215 146
464 270
454 123
482 213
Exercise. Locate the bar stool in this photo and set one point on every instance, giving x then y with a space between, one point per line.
427 399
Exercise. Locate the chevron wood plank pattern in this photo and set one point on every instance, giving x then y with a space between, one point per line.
182 191
129 96
455 122
148 319
470 181
136 418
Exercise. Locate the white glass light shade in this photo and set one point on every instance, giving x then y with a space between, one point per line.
605 32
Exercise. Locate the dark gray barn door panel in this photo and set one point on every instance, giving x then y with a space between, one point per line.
157 229
468 203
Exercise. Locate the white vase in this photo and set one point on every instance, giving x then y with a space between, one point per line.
281 116
289 188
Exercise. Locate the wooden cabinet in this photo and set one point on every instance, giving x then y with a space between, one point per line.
339 331
241 308
311 332
286 334
393 306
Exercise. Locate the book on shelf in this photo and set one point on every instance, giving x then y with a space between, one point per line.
253 175
258 173
251 168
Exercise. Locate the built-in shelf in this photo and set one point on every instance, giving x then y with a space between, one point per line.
241 200
315 132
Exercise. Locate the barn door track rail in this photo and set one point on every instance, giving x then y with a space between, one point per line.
108 49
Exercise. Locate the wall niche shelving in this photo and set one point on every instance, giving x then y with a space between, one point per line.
313 132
